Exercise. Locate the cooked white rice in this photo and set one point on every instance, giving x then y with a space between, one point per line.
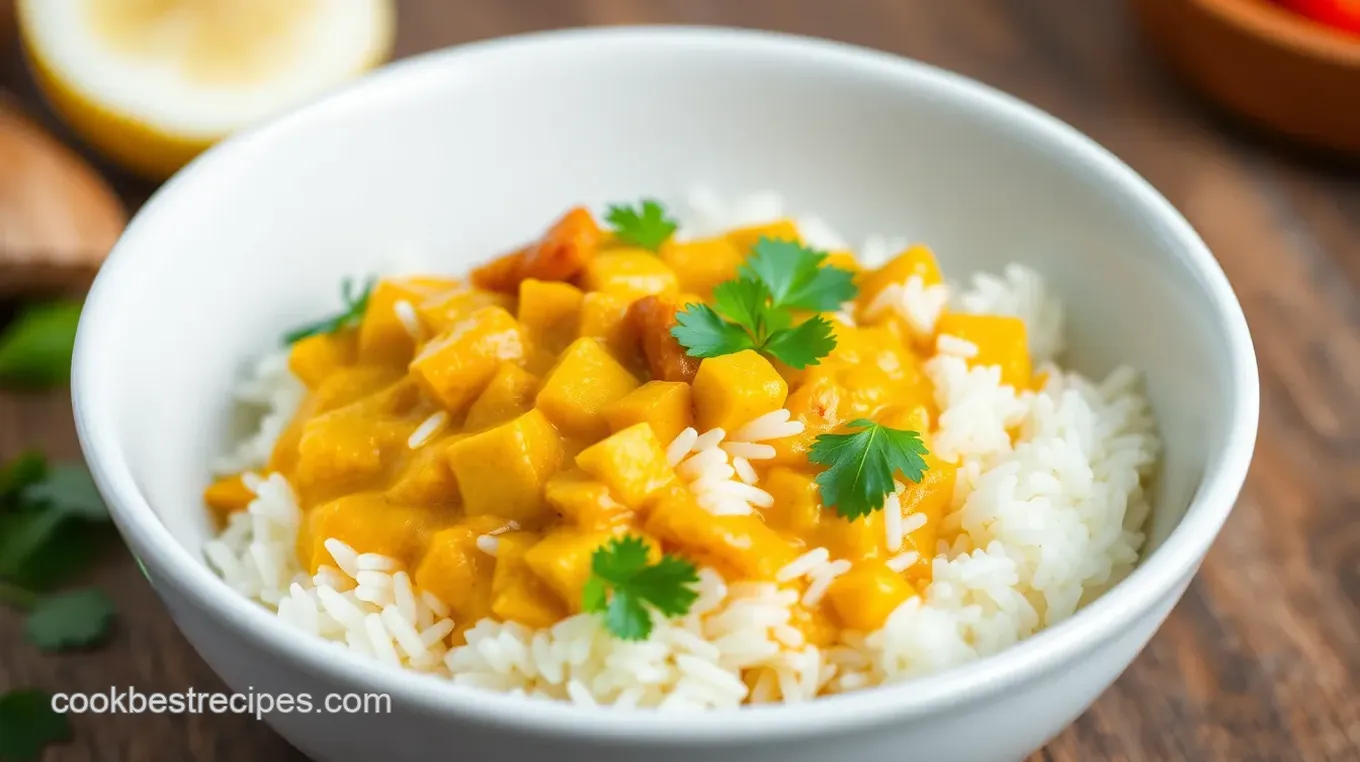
718 470
427 429
1046 522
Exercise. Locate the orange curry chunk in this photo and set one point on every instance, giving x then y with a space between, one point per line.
1001 341
228 495
456 366
560 254
652 318
369 523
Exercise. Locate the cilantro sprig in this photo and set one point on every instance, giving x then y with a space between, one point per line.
624 587
861 465
27 469
43 513
61 621
796 278
356 304
756 311
35 349
28 725
45 517
646 226
49 519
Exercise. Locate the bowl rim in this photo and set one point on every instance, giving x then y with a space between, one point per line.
1160 575
1278 26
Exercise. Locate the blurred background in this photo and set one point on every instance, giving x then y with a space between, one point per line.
1244 113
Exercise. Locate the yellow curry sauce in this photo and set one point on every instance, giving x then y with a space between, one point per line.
535 403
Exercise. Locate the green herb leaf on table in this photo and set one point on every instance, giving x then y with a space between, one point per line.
804 345
35 350
704 333
861 466
796 277
28 725
646 226
356 304
624 587
45 527
75 619
28 468
69 490
53 556
24 535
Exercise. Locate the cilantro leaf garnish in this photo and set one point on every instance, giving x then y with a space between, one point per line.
28 725
76 619
35 350
647 226
62 620
704 333
46 521
796 278
68 489
746 318
746 302
804 345
24 537
756 310
624 587
34 517
28 468
355 307
861 465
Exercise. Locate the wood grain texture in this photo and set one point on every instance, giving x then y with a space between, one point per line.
1261 660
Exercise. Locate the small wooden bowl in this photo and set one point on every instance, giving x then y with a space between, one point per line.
1265 63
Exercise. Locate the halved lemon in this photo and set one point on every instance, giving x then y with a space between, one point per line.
151 83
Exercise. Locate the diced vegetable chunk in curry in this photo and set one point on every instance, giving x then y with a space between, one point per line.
228 495
550 311
733 389
456 570
701 265
390 328
504 438
1000 340
864 597
666 406
632 462
585 380
502 471
370 521
518 593
585 501
562 561
630 273
456 365
509 394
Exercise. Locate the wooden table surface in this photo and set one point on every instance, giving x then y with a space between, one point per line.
1260 661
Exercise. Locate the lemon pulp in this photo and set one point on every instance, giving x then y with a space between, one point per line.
151 83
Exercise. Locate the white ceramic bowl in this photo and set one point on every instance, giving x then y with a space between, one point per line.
462 153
